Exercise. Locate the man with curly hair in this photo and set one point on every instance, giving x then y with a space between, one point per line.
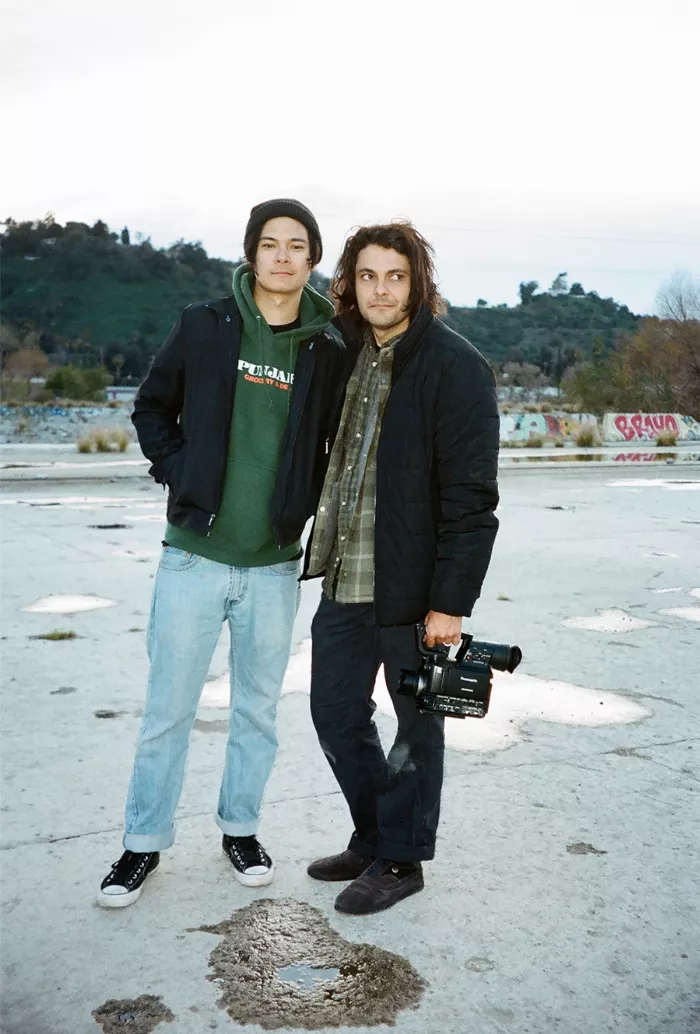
403 534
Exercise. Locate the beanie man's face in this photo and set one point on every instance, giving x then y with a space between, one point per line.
282 258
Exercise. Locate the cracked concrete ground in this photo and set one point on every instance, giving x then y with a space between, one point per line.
564 895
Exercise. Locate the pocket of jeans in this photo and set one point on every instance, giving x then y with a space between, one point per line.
287 567
172 559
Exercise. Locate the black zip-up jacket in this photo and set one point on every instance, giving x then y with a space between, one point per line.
182 415
437 462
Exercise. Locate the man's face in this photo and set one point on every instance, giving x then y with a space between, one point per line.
282 257
383 287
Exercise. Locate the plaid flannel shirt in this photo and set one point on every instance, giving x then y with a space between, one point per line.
343 541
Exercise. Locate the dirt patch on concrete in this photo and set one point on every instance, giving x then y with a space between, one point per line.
581 848
281 965
135 1015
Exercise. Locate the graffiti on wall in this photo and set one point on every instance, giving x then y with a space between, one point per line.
517 427
646 427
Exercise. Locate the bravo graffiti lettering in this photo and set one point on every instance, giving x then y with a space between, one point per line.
645 426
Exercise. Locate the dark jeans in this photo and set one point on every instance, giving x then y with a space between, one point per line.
394 801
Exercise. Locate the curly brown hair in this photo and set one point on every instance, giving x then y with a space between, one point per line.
401 236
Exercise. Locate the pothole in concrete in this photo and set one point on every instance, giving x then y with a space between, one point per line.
62 691
581 848
281 965
109 714
68 604
614 620
135 1015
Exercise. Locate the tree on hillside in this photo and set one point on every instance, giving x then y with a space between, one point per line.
526 290
560 284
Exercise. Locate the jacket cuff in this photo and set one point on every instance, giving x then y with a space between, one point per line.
162 469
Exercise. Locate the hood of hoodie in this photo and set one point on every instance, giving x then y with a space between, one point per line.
315 311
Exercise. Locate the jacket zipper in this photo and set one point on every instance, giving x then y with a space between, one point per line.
212 517
296 430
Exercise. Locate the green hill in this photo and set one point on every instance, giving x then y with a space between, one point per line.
94 297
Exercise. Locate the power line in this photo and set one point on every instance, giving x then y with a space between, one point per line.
520 232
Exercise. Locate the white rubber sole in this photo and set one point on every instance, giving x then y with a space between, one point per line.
122 900
260 880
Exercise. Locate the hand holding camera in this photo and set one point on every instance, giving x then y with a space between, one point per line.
459 687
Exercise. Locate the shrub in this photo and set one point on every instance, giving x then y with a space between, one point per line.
586 437
74 382
535 441
101 438
121 438
667 438
559 443
84 443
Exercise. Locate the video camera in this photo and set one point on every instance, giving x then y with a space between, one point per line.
459 688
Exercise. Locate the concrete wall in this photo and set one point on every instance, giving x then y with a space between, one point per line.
645 427
613 428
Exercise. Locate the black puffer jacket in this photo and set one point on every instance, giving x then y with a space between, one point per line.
182 416
437 465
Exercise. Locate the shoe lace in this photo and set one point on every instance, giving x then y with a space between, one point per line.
248 851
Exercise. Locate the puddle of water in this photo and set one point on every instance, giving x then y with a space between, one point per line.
68 604
686 613
516 699
608 621
282 966
306 976
136 1015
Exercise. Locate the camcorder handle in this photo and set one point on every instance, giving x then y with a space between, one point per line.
440 649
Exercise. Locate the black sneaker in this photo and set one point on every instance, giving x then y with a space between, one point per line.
252 865
126 879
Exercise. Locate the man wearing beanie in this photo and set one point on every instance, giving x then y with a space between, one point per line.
235 415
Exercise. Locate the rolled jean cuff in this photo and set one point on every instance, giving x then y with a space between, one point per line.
405 852
237 829
144 843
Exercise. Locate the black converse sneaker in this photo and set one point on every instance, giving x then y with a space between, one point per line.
252 865
126 879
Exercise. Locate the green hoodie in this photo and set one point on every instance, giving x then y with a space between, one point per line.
241 534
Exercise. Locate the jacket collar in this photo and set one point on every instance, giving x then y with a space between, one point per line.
351 330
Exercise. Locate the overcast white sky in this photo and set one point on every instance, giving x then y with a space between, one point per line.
523 138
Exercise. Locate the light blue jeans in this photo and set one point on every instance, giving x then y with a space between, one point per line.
192 598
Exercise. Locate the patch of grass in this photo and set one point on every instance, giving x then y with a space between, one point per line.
56 636
667 438
559 443
535 441
101 438
506 599
121 439
587 437
104 440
